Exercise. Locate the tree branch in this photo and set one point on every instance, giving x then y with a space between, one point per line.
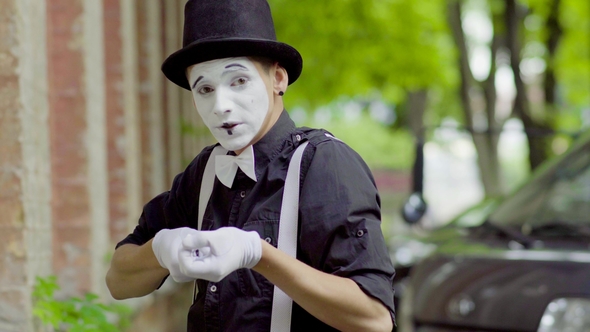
455 23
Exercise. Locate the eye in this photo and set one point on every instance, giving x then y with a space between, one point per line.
205 90
240 81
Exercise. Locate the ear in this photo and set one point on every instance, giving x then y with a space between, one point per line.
280 79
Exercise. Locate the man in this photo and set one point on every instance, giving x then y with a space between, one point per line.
341 278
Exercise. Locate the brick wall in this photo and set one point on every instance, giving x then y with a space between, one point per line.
115 119
13 293
25 219
69 156
89 131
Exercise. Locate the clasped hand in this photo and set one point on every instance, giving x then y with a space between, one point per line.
210 255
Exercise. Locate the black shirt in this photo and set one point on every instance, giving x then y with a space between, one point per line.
339 230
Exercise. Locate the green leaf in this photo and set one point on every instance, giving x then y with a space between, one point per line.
353 47
76 314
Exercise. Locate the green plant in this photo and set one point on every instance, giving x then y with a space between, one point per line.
76 314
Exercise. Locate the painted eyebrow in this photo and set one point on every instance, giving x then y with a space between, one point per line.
240 67
235 65
197 81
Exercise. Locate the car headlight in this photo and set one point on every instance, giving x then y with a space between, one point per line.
566 315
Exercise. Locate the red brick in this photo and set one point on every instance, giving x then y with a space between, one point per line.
13 301
13 260
115 120
145 89
69 162
73 265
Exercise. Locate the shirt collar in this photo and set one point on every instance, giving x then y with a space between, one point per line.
271 143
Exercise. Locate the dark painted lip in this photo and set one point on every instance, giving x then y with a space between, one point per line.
229 125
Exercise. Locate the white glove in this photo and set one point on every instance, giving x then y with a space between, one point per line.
212 255
166 246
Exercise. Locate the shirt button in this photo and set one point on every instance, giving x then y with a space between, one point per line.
360 233
268 240
213 289
243 194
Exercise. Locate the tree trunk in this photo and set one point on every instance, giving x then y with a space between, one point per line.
555 32
536 131
486 143
416 105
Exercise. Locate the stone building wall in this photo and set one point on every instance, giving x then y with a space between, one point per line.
25 191
89 131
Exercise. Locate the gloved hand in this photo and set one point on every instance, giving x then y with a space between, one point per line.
166 246
212 255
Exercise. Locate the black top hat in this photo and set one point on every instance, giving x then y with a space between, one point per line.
215 29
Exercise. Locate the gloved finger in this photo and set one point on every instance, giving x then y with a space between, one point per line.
203 252
192 250
186 231
194 241
200 253
217 241
186 261
221 240
206 268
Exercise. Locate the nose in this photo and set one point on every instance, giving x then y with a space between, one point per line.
222 103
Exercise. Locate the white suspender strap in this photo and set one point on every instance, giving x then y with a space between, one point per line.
287 242
207 183
205 193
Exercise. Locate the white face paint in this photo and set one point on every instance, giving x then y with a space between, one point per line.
231 98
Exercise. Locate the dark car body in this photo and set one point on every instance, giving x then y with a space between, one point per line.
509 272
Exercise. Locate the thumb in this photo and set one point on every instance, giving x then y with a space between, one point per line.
194 241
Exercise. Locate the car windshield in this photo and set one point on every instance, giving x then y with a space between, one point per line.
557 198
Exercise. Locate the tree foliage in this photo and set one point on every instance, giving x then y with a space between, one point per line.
394 50
573 57
364 47
76 314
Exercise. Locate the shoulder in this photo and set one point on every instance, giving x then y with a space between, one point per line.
329 148
322 141
330 156
316 136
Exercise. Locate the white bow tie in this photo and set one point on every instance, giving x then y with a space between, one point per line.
227 166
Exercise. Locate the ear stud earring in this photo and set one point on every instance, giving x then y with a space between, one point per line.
281 93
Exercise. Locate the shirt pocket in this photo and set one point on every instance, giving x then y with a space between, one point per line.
252 283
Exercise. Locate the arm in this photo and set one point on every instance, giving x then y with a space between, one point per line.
341 238
337 301
139 270
134 271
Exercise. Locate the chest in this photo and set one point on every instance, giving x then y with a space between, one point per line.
248 205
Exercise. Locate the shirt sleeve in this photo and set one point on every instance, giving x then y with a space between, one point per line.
340 221
174 208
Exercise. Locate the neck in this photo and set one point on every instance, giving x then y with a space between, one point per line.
273 116
239 152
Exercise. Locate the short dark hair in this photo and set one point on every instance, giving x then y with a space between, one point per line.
265 63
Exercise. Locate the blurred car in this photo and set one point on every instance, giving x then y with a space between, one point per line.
526 267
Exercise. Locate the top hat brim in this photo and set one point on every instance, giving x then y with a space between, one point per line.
174 67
